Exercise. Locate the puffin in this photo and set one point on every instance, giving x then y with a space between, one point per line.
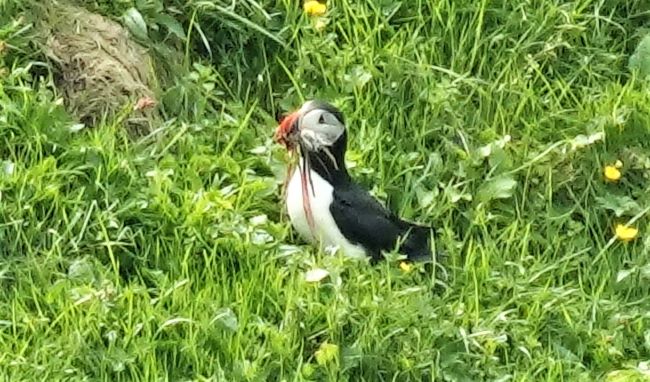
324 203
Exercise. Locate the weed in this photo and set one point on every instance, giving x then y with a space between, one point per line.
167 256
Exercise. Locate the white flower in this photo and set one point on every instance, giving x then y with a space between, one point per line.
315 275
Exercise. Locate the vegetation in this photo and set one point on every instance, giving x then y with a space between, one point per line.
164 255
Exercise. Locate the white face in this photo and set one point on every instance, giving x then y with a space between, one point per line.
319 128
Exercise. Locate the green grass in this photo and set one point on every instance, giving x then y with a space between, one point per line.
167 257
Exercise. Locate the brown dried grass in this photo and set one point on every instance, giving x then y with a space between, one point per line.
98 68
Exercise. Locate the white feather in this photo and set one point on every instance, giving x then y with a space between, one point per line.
326 232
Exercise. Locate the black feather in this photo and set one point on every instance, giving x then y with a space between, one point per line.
363 220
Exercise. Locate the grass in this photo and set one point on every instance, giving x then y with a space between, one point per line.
167 257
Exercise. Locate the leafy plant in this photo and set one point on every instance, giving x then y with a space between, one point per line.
168 256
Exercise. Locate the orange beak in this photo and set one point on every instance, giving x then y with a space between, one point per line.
286 131
287 135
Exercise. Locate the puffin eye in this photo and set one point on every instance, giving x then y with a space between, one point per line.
321 119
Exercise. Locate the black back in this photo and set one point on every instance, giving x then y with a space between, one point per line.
363 220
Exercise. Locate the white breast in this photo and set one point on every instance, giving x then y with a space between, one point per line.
326 232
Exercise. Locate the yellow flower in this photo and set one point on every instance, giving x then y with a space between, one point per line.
406 267
626 233
326 353
612 173
314 8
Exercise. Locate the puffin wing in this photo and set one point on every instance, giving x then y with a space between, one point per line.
363 220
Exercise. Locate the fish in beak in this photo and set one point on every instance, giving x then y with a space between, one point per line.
288 134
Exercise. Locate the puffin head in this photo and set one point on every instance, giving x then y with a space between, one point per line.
318 129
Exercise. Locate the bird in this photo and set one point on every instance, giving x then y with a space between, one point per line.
326 206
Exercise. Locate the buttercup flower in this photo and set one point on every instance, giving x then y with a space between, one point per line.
406 267
314 8
625 233
612 173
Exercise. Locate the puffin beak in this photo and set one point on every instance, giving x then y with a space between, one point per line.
287 132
